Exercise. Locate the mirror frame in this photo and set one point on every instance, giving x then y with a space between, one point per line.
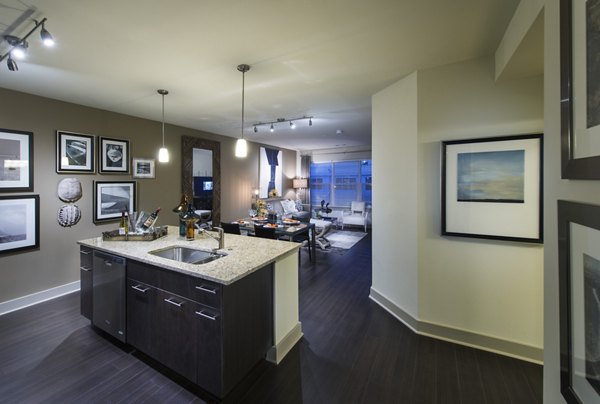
188 143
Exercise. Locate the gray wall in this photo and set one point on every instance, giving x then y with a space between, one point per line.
555 188
56 262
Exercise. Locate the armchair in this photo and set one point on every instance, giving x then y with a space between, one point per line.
356 216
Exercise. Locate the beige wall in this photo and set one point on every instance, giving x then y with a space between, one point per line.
394 150
489 287
466 287
56 262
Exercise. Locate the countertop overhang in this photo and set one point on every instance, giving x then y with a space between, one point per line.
244 254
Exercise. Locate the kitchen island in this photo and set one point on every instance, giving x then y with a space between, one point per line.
210 322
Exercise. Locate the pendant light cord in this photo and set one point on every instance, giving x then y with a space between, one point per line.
163 119
243 87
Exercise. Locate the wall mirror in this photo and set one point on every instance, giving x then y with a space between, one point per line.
201 176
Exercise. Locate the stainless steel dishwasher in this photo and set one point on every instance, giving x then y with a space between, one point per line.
109 294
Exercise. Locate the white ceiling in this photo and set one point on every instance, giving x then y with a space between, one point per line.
323 58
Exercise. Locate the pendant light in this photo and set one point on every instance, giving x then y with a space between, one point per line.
163 153
241 146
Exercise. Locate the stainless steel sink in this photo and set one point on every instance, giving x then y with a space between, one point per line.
187 255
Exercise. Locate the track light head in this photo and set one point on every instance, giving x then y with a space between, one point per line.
12 65
310 122
255 129
292 125
272 129
47 38
19 46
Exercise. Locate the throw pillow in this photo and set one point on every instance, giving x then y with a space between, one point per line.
299 206
288 206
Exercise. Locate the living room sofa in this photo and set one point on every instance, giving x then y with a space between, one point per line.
288 208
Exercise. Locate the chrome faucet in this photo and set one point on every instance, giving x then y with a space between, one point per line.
220 238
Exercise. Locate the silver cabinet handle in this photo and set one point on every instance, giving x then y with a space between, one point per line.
173 302
86 269
208 316
85 252
205 289
108 263
140 288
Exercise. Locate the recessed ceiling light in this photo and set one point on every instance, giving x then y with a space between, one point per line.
339 132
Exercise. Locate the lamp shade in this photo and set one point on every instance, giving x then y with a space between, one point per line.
241 148
163 155
299 183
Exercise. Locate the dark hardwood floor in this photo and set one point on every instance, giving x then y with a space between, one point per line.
352 352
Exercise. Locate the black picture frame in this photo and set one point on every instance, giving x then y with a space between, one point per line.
573 85
16 161
111 198
75 152
492 188
20 223
113 155
579 274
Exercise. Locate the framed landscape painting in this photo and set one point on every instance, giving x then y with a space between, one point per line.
19 223
16 161
579 301
111 198
74 152
491 188
114 156
580 88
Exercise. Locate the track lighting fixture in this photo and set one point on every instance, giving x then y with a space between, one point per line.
282 120
163 153
12 65
47 38
18 46
241 146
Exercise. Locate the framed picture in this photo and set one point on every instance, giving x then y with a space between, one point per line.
111 198
491 188
143 168
74 152
579 301
114 156
19 223
16 161
580 89
270 172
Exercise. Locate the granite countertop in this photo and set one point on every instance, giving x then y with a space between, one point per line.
244 254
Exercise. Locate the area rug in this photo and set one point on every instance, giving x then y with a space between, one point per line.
344 239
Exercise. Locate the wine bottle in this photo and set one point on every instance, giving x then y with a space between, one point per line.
150 221
122 224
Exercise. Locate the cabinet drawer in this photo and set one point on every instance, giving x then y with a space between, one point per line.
193 288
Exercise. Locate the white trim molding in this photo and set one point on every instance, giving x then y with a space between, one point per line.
277 352
461 337
38 297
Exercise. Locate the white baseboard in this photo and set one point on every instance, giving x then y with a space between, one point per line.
462 337
38 297
280 350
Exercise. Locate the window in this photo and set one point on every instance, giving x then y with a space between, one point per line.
340 183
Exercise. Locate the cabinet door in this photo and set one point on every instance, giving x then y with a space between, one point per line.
176 333
210 371
141 316
86 288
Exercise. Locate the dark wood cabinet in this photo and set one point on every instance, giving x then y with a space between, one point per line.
210 333
85 272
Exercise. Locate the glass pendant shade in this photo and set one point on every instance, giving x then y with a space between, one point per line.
241 148
163 155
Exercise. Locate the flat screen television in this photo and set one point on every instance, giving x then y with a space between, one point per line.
207 185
